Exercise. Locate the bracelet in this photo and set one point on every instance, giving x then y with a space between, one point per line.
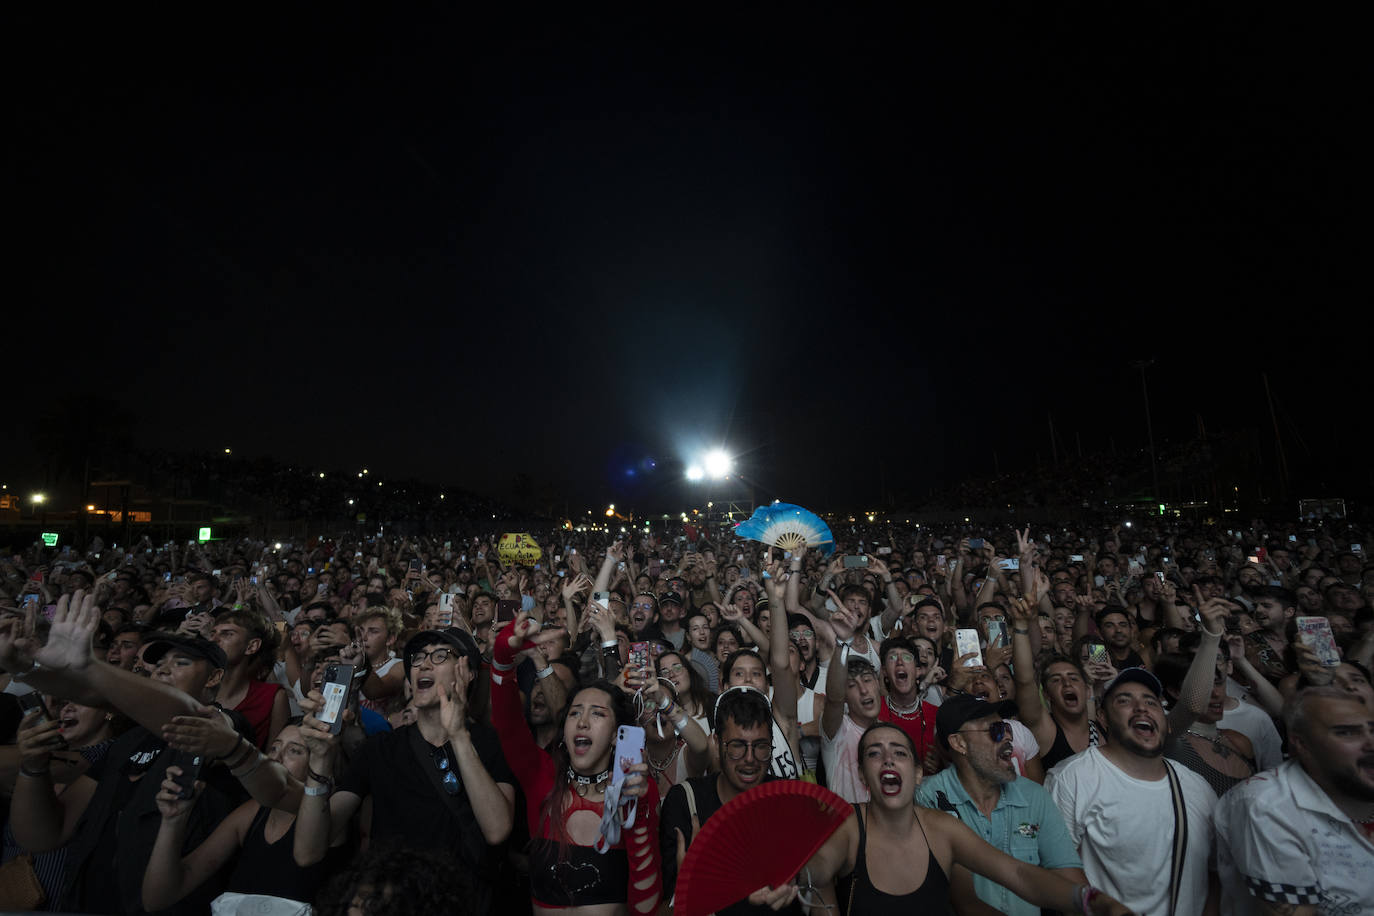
242 756
610 644
543 673
317 791
1209 632
681 724
1020 630
252 767
497 666
323 780
665 702
22 675
31 774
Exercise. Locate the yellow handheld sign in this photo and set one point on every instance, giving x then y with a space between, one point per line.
518 549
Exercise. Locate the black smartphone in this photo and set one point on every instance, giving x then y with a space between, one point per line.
338 681
415 565
506 611
190 765
975 543
30 701
855 562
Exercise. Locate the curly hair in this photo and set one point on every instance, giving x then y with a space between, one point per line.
392 880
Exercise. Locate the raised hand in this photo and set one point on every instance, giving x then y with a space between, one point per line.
69 638
1022 610
207 733
39 740
453 702
520 629
319 740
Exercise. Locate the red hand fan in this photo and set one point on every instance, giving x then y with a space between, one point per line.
763 836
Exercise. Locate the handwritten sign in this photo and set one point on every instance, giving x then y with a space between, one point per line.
518 549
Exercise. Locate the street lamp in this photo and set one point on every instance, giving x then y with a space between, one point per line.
39 498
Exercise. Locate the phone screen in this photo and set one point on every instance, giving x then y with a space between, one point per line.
338 680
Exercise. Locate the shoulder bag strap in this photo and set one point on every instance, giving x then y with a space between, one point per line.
1180 839
691 798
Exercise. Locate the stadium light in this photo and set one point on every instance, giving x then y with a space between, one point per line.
39 498
694 472
717 463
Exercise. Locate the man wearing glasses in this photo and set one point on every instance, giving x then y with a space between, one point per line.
743 739
983 790
441 783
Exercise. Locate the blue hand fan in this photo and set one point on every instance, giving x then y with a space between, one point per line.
788 527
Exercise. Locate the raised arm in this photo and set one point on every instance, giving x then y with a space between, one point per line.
1197 683
837 674
1028 703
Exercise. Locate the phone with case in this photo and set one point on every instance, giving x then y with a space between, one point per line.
966 641
338 681
1315 634
629 751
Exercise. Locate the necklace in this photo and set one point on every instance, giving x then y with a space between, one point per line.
585 784
667 762
1210 733
905 712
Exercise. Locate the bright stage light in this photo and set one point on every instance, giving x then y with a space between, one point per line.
695 473
717 463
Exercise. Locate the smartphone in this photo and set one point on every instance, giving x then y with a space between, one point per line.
603 599
1254 560
190 765
1315 634
940 561
557 558
1009 565
1075 558
1160 577
639 655
1292 538
884 551
446 609
975 543
310 570
30 701
998 638
166 578
1356 548
321 590
855 562
415 565
506 611
1097 654
338 680
966 641
629 751
448 545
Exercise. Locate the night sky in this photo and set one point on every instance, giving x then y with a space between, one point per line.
856 250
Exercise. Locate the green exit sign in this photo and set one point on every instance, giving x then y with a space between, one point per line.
204 535
49 538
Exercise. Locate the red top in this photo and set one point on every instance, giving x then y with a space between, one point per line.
919 726
257 709
534 769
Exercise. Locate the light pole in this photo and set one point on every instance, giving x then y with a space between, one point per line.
1142 365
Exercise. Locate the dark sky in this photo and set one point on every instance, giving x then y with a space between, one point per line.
852 248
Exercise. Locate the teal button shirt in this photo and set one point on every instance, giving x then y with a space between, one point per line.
1025 824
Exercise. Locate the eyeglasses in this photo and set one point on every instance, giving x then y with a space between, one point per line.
673 669
436 656
761 749
451 784
804 634
997 731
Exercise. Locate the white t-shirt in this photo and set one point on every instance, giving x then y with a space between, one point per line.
1123 828
1280 838
841 757
1023 745
1255 724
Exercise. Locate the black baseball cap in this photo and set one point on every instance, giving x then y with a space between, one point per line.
1135 676
455 638
193 646
669 597
961 708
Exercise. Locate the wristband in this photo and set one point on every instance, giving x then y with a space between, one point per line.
31 774
681 724
322 780
543 673
498 666
609 644
665 702
317 791
241 759
1020 630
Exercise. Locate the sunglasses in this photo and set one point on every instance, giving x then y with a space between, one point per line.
441 762
997 731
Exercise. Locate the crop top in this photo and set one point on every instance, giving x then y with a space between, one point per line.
565 874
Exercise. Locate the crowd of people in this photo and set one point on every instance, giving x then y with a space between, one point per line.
1158 719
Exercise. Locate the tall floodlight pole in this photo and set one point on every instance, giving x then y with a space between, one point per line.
1142 365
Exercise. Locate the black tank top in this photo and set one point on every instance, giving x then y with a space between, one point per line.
1061 749
866 900
268 868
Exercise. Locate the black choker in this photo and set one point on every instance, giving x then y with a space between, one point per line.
585 784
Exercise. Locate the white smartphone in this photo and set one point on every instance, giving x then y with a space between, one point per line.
1315 634
446 609
629 750
966 641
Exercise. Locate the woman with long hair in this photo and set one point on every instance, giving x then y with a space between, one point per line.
690 687
565 793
